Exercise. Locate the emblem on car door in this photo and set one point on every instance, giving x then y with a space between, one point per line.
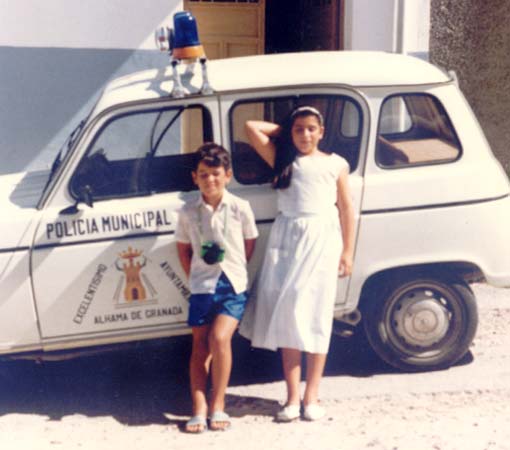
133 286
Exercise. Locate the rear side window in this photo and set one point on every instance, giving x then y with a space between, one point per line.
414 129
342 122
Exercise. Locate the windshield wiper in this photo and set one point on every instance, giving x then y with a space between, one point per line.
62 153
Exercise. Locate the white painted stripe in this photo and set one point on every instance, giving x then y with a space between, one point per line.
113 24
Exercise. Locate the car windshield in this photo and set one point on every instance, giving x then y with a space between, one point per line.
63 152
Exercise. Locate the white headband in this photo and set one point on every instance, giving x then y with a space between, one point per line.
310 109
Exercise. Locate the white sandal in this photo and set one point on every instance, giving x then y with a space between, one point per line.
288 413
313 411
196 425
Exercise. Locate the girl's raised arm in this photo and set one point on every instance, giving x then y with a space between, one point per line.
259 134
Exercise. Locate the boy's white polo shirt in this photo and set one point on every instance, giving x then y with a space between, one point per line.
229 225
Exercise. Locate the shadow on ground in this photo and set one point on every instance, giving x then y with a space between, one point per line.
141 386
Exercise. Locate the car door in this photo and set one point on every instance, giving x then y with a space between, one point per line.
343 111
104 261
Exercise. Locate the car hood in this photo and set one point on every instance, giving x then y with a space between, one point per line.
19 195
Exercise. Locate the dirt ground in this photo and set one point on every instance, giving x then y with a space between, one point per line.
140 401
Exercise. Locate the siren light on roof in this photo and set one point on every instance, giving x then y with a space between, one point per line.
182 44
182 41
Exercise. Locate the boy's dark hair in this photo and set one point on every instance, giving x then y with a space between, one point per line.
212 155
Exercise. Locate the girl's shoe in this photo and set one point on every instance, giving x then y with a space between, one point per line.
288 413
219 421
313 411
196 425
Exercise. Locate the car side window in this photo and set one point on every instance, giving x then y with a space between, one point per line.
143 152
343 126
414 129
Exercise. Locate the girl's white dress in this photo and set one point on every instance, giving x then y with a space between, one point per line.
292 300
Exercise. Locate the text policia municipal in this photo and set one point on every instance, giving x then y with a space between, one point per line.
107 224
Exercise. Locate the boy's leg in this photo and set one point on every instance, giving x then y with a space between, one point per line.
291 359
199 370
220 344
315 363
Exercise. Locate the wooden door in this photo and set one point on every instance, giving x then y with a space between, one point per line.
229 28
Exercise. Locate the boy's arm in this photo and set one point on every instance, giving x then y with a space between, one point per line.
185 253
249 248
250 231
184 249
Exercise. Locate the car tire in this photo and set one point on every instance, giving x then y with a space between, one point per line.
421 322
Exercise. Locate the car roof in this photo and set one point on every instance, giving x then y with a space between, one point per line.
351 68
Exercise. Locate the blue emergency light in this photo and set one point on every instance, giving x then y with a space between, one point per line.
187 44
183 45
182 41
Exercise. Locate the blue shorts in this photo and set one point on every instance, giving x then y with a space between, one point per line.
203 308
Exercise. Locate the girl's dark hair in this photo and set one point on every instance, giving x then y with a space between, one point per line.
212 155
286 151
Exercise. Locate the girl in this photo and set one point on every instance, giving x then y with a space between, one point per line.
292 308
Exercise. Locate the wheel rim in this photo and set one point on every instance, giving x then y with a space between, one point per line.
420 320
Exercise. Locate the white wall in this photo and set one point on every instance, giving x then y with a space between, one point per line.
415 27
370 25
56 56
119 24
389 25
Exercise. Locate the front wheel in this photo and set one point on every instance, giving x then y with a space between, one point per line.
422 323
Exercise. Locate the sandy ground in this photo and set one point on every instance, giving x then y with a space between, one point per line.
141 403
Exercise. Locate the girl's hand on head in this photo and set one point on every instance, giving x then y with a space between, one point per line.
259 134
345 266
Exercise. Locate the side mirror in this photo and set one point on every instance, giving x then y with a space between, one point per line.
84 196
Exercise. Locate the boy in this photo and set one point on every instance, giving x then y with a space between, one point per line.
215 236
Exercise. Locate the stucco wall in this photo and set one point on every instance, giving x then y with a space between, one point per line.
55 58
472 38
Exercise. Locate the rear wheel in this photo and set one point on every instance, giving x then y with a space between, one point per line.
422 323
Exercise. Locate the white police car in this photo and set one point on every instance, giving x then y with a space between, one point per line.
87 251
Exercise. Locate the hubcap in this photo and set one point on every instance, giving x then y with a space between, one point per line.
421 318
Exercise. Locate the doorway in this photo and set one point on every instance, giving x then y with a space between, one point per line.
303 25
